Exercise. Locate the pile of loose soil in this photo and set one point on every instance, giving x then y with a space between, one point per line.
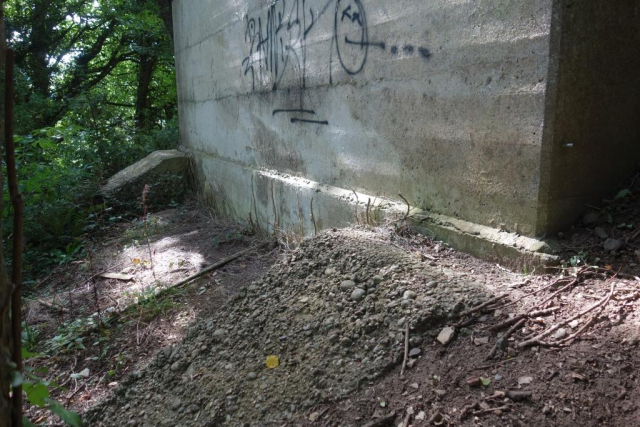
333 313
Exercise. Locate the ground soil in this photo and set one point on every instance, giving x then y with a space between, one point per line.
182 241
588 380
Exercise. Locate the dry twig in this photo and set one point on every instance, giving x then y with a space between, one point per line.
537 340
504 338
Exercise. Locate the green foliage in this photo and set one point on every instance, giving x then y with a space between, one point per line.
95 92
38 392
70 335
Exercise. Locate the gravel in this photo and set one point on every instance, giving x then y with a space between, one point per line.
330 311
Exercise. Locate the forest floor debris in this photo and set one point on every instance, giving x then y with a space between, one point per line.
320 340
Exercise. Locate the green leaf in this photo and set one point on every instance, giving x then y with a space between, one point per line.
485 381
622 194
26 422
37 393
69 417
26 354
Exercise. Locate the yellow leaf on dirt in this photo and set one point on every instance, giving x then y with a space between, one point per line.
136 261
273 362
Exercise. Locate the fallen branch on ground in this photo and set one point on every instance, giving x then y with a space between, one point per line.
537 340
504 338
116 315
516 319
481 306
53 306
556 293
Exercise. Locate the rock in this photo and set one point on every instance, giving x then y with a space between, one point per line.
525 381
415 341
358 294
474 382
600 232
347 285
377 280
561 333
481 340
518 395
446 335
409 295
252 376
497 378
612 244
219 333
175 404
440 393
164 171
415 352
175 366
591 218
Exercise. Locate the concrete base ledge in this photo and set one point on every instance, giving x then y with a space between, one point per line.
299 206
510 250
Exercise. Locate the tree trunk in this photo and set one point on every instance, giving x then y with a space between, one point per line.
5 285
145 74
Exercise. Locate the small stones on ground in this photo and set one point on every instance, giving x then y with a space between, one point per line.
600 232
525 381
561 333
347 285
175 404
474 381
440 393
358 294
252 376
446 335
409 295
481 340
612 244
415 352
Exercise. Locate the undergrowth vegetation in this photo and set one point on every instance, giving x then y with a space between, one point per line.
95 92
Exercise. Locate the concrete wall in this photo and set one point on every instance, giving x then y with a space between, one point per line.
463 106
442 101
592 140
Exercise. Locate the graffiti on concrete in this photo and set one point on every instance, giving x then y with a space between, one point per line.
277 44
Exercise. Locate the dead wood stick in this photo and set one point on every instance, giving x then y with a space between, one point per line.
537 339
481 306
490 410
573 336
383 421
213 267
116 315
507 334
556 293
552 284
406 348
53 306
408 206
516 319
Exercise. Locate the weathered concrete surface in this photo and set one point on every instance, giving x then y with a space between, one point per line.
164 171
592 130
451 103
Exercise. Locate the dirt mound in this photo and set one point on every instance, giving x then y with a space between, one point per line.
333 313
